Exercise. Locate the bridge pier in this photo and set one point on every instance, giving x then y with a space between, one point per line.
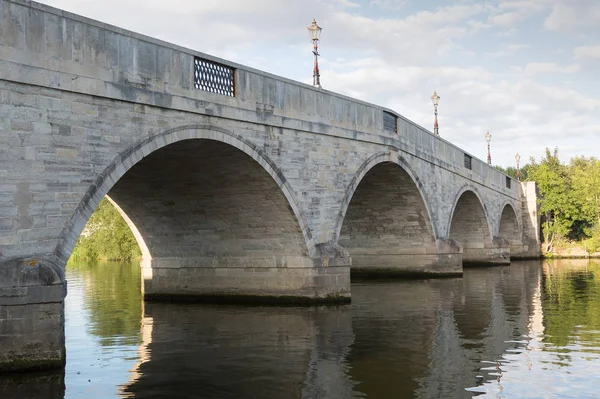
494 253
267 279
443 259
32 334
32 293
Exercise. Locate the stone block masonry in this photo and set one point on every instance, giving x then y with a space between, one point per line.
257 187
31 315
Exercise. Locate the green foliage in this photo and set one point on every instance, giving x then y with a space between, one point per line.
585 177
592 244
554 182
559 205
106 236
512 171
526 172
570 198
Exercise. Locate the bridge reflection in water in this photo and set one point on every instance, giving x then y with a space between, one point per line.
530 328
428 338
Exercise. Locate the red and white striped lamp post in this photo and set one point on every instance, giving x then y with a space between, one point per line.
314 31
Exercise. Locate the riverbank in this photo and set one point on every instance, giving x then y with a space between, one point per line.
570 251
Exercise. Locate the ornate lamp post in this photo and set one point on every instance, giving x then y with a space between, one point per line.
518 158
435 99
314 31
488 138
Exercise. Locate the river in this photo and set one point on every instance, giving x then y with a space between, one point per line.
529 330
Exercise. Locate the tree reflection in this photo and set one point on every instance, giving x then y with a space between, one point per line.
113 299
571 301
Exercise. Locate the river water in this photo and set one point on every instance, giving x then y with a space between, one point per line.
529 330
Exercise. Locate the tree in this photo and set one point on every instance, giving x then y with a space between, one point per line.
559 205
510 171
106 236
525 172
570 198
585 177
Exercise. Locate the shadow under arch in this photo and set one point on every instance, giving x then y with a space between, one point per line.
507 206
469 225
143 148
509 227
385 223
362 171
219 218
464 188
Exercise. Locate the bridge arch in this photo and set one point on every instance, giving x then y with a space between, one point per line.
509 227
145 147
216 217
366 167
385 221
469 225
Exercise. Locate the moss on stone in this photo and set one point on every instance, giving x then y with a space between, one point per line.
30 364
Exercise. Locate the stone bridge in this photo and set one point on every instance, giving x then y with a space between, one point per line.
235 182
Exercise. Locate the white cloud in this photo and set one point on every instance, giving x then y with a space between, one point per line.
346 3
510 13
388 4
211 25
525 6
574 16
537 68
508 33
590 52
523 115
476 26
506 19
510 50
406 40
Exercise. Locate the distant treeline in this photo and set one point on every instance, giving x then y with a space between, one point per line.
570 199
106 236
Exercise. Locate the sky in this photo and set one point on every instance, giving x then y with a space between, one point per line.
527 71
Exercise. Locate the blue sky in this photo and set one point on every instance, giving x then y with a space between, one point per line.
526 70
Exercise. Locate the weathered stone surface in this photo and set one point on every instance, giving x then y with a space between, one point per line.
30 272
32 336
278 190
31 314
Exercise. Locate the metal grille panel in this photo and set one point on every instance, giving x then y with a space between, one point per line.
468 160
507 182
390 122
213 77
